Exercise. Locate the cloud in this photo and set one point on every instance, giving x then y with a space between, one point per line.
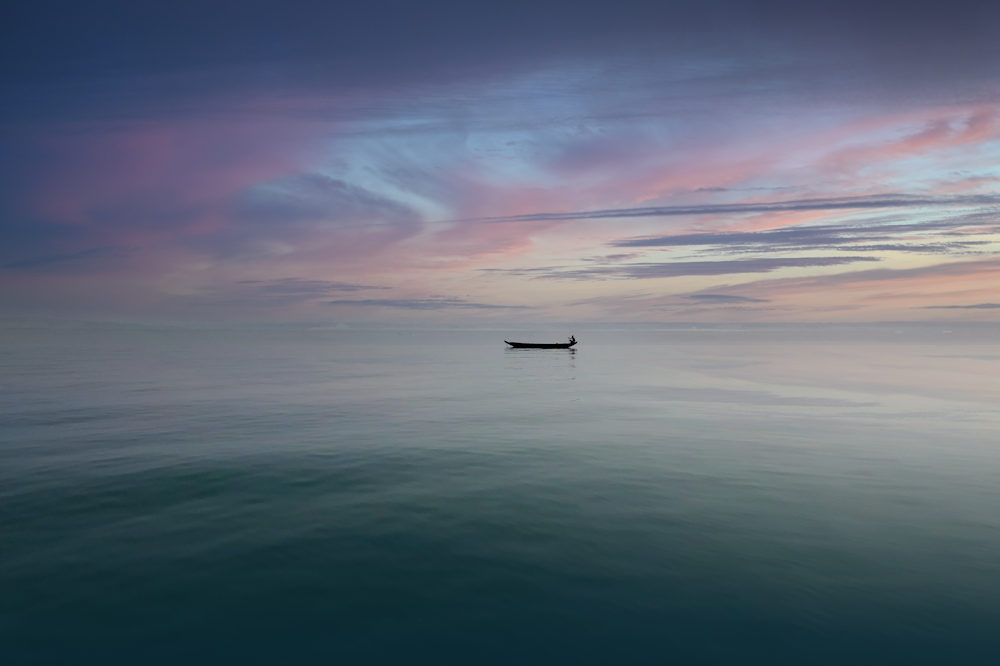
276 293
313 218
725 298
837 203
977 357
963 271
810 236
427 304
929 237
393 42
956 247
186 190
404 144
152 186
858 295
76 260
297 286
646 271
312 197
873 290
977 306
613 258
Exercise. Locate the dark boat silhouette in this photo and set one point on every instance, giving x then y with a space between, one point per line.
543 345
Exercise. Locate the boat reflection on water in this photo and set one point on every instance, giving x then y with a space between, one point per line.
540 364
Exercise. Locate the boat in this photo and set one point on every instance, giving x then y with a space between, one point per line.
543 345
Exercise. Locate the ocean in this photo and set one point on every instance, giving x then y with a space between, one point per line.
688 496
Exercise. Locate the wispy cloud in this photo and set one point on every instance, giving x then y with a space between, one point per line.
297 286
426 304
568 148
725 298
613 258
963 272
838 203
880 288
875 236
278 293
98 254
646 271
863 295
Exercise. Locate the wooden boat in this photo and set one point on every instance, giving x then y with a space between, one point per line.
543 345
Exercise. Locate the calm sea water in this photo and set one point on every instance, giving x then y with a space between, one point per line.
348 497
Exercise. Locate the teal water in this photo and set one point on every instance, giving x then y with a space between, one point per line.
349 497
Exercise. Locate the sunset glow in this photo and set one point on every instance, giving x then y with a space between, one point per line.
702 181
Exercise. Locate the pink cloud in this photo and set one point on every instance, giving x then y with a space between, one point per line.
881 289
139 183
194 202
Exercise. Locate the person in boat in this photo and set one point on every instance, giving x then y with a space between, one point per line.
572 339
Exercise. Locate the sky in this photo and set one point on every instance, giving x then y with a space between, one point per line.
445 161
